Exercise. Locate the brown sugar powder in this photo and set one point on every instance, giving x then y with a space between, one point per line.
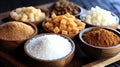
101 37
15 31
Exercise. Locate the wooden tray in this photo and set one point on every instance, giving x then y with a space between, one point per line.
17 58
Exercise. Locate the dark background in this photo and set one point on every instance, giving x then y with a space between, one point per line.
111 5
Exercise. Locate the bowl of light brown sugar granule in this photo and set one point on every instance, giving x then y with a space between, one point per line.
13 34
100 42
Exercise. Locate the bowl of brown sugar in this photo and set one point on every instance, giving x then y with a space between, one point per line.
99 42
62 7
65 24
14 33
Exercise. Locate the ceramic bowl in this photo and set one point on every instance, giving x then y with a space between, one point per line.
96 51
85 13
61 62
10 45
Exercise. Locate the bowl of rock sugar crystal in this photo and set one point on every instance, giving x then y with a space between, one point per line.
100 17
50 50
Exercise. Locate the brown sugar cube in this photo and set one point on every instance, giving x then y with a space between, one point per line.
64 32
69 20
50 29
63 22
69 28
70 32
66 18
53 15
83 24
51 24
80 27
55 21
56 30
78 22
72 25
57 24
48 20
75 30
67 23
69 16
46 25
63 27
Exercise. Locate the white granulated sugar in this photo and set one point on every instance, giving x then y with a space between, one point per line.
100 17
49 47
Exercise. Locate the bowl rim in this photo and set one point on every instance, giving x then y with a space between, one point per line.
38 59
87 44
29 24
82 17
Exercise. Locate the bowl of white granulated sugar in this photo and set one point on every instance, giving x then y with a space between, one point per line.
50 50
